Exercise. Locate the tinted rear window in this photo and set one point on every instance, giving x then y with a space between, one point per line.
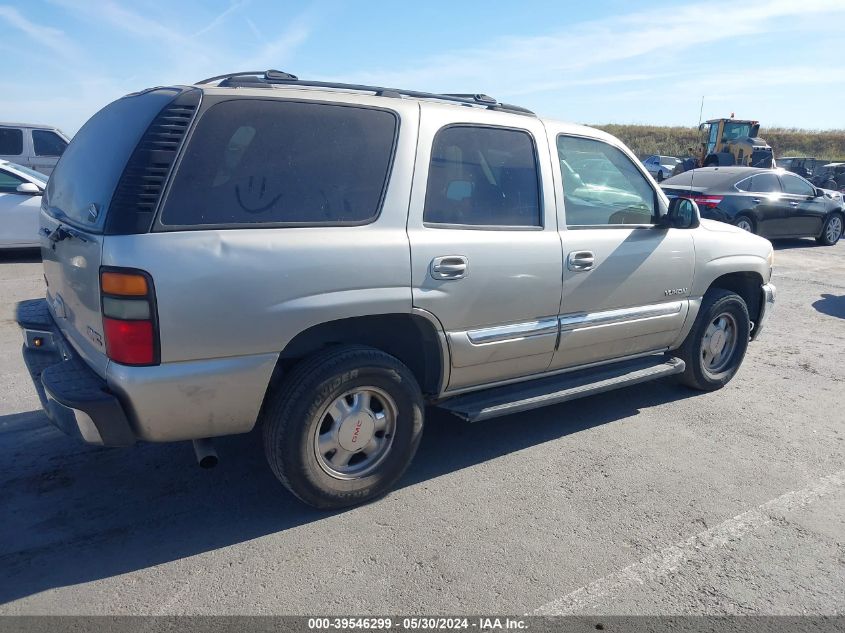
254 161
11 141
90 167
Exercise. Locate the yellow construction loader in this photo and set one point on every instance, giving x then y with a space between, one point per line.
733 142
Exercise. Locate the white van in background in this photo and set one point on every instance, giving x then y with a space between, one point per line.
35 146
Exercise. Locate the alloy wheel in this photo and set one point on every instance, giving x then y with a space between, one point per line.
355 433
718 344
834 229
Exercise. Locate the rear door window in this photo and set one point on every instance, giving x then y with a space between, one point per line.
47 143
760 183
482 176
257 161
11 141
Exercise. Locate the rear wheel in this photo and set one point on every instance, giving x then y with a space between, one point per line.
716 345
832 230
343 427
745 223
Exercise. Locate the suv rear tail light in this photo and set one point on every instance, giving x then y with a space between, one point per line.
129 316
708 202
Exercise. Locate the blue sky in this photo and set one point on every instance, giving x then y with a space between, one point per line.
779 61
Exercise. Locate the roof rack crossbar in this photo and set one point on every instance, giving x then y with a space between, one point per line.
279 77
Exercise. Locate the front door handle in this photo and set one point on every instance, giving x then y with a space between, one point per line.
581 260
449 267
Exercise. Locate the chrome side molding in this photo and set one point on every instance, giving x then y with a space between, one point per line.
550 325
547 325
621 315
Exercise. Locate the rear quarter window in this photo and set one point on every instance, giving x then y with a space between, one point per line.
274 162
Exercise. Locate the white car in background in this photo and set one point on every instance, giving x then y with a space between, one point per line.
661 166
20 205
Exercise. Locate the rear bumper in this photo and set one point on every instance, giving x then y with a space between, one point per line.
76 400
768 302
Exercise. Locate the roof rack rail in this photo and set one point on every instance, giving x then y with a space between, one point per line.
277 77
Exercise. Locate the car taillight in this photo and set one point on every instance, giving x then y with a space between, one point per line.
708 202
129 318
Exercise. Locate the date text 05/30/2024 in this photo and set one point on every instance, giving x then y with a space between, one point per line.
417 624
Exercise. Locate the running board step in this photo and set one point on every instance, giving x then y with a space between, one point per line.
531 394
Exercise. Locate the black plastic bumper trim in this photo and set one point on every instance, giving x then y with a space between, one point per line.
65 383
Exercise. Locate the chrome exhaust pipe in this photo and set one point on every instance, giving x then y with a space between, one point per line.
205 453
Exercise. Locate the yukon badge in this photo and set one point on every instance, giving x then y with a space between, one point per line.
676 291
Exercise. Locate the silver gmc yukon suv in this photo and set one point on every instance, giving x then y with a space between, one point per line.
327 260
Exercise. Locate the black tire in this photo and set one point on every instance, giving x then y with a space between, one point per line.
712 162
294 413
716 302
738 220
831 237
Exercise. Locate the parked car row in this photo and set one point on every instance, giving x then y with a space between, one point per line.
821 172
770 202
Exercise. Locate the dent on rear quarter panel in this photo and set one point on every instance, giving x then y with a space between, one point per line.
181 401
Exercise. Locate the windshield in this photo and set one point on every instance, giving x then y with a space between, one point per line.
26 171
736 130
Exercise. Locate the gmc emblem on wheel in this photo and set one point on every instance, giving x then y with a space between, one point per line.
355 433
675 291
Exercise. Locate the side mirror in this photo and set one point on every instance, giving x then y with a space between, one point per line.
819 193
29 188
683 214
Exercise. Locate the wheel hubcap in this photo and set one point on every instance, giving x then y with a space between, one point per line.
834 229
745 225
355 433
719 343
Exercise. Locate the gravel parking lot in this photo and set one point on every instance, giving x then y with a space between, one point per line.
654 499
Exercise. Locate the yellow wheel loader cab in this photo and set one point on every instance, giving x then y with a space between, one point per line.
734 142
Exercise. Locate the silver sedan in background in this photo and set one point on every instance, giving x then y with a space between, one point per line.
20 204
661 166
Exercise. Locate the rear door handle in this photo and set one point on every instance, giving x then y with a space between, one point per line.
793 204
581 260
449 267
755 200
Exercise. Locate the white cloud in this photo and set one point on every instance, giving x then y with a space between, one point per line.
48 37
563 58
222 17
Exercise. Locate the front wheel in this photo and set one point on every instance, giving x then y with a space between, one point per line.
832 230
343 427
716 345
